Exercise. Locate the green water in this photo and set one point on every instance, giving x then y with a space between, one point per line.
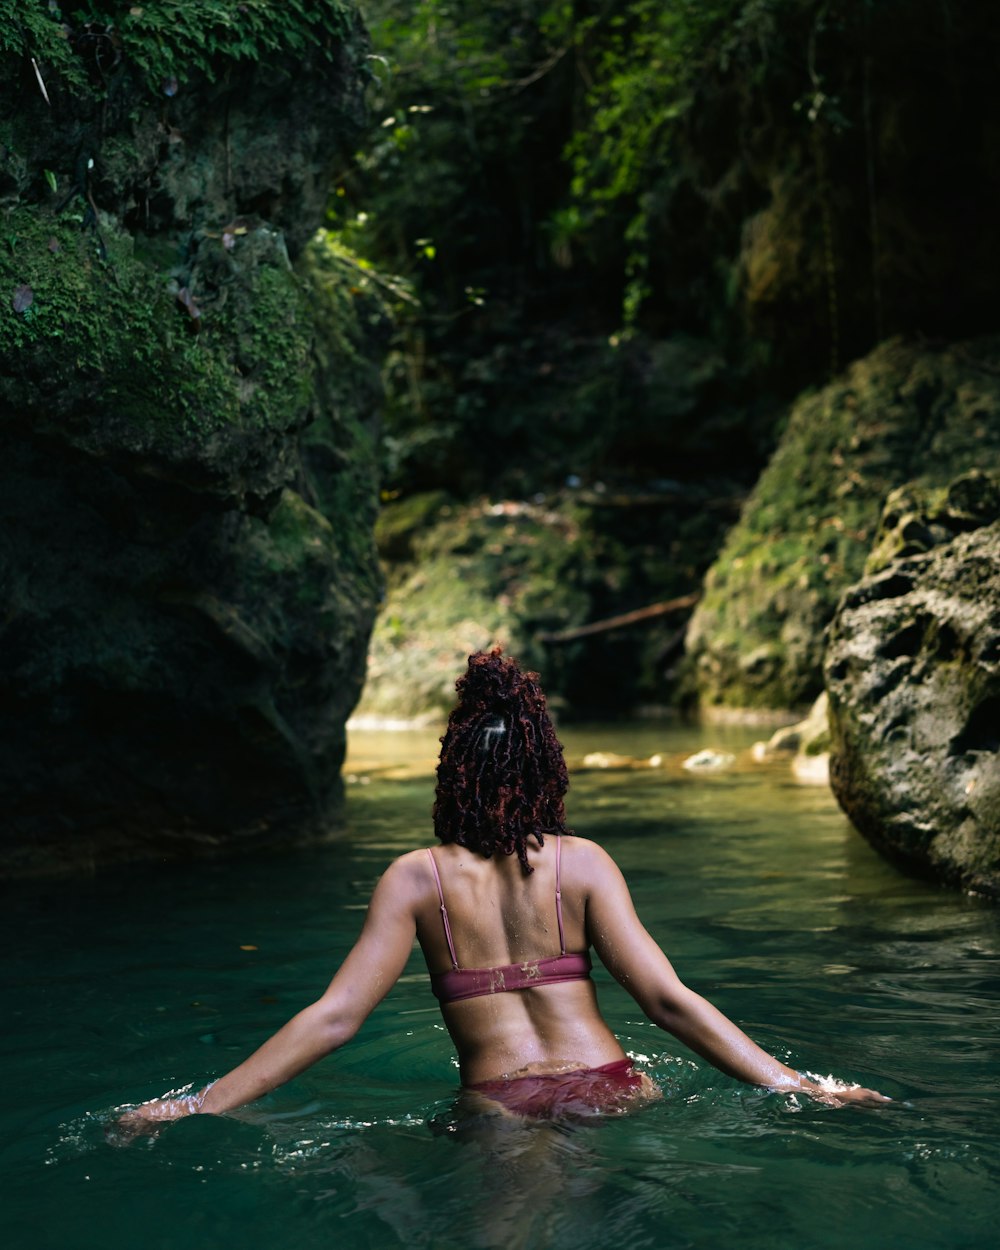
125 985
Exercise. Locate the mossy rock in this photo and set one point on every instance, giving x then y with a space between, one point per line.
106 357
188 390
398 526
476 573
917 517
903 413
521 571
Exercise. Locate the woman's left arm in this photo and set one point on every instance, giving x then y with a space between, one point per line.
636 961
362 981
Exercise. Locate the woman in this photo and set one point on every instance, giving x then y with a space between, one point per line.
506 910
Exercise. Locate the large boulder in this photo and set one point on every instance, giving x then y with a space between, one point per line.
906 412
913 673
187 398
548 577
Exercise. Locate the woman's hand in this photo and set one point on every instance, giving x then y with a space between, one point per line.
827 1089
163 1109
151 1116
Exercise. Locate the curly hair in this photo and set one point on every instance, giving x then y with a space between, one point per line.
501 777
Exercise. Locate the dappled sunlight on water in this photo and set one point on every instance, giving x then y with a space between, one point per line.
145 979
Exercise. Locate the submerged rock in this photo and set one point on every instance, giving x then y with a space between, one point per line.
913 673
187 479
612 761
806 745
903 413
707 760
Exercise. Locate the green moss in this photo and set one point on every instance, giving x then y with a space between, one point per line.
294 530
97 312
166 39
399 524
469 574
292 557
757 637
340 441
474 574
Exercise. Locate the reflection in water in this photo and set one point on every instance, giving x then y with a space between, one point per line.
144 979
528 1172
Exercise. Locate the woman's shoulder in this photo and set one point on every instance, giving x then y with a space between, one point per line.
408 872
584 856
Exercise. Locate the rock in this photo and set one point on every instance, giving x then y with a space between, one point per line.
806 745
707 760
916 518
810 736
619 763
903 413
462 575
812 770
913 673
187 470
610 760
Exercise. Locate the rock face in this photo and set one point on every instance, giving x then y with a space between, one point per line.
903 413
913 673
187 479
527 573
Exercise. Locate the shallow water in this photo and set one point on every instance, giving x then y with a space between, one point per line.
144 979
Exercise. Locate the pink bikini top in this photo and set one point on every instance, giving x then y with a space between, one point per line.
459 983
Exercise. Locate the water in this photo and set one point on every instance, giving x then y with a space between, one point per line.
144 979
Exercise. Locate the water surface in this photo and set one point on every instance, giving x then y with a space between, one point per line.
147 978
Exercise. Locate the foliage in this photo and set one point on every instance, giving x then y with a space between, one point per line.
456 118
442 199
168 41
514 176
643 65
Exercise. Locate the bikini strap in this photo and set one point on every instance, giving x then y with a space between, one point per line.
444 910
562 936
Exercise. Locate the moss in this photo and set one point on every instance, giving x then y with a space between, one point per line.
186 420
399 525
294 531
81 46
99 313
917 517
478 573
469 574
339 444
756 639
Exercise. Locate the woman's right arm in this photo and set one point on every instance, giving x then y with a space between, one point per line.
367 974
635 960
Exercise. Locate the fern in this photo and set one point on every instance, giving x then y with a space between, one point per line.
167 39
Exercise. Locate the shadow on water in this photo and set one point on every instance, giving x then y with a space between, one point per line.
143 979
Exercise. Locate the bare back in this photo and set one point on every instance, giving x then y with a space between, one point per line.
500 915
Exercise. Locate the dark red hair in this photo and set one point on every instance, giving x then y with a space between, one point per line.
502 776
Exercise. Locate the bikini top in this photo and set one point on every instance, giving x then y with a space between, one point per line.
458 983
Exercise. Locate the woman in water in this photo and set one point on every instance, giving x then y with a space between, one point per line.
506 910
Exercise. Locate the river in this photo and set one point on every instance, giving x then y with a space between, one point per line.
144 978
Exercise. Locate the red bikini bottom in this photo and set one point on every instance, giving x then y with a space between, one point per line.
553 1095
